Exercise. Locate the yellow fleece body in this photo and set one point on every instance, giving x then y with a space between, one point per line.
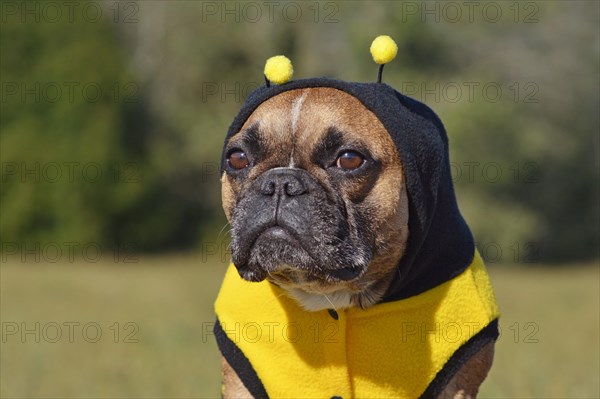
392 349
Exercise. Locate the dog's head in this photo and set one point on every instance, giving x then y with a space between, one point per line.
314 191
341 194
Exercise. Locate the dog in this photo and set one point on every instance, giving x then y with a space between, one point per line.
344 225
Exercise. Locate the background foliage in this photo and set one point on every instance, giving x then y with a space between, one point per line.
173 76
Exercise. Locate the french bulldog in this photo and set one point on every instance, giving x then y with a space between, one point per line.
323 201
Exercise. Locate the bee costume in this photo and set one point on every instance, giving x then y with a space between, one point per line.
438 312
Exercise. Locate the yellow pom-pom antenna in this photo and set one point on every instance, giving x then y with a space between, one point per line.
278 70
383 49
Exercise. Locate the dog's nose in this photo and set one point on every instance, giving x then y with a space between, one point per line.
283 181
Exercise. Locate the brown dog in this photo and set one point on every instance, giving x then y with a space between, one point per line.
315 190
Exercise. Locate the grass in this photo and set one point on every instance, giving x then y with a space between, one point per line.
549 346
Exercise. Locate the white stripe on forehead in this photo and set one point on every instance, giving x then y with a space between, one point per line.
295 113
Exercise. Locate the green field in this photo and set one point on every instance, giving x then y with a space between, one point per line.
549 346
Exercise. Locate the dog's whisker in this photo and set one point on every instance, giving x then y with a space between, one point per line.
329 300
223 229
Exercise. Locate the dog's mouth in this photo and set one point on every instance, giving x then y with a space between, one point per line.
277 233
280 236
278 253
266 250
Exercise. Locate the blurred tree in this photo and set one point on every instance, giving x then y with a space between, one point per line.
188 67
63 132
77 142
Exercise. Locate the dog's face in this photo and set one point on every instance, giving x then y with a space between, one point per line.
314 191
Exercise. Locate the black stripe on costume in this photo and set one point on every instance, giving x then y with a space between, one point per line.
459 358
239 362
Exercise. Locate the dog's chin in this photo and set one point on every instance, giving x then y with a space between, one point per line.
271 252
276 248
279 251
314 280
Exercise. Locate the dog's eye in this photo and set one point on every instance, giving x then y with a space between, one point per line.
349 160
238 160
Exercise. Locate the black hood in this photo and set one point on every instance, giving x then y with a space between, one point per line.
440 245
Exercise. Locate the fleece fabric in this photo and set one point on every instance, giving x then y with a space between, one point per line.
400 349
